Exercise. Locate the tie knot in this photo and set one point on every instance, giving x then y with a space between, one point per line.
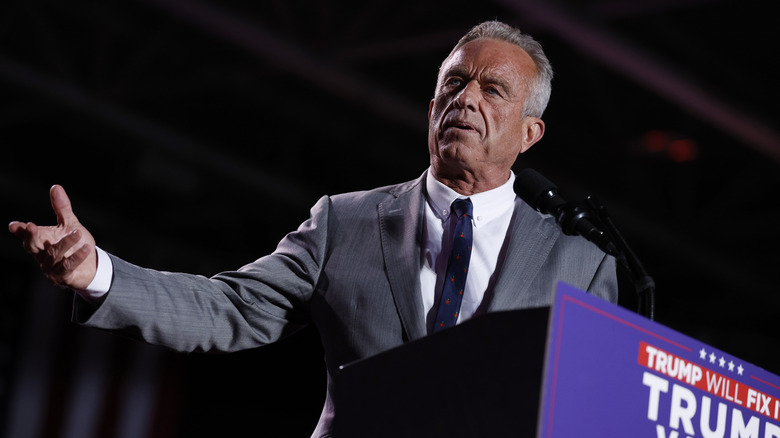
462 207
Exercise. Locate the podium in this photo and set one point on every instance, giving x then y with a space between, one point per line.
582 368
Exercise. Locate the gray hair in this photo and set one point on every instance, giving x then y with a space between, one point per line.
541 87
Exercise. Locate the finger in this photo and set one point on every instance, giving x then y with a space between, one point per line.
29 234
22 231
75 260
17 227
66 269
54 253
61 205
64 273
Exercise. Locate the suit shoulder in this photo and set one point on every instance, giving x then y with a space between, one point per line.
376 195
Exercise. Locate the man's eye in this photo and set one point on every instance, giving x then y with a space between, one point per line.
492 90
455 82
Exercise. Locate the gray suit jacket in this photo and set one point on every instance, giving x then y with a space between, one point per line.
353 270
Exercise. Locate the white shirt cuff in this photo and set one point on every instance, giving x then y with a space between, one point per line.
102 281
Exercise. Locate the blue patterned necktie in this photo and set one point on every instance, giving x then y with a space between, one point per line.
457 267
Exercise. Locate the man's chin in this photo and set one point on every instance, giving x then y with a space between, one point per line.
450 164
457 152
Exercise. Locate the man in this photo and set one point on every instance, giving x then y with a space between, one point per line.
367 268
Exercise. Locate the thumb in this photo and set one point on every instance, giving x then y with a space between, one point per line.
61 206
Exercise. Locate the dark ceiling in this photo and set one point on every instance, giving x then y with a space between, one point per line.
192 135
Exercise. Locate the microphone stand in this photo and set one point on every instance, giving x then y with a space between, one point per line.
643 283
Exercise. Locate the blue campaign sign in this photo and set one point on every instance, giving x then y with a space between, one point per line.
610 372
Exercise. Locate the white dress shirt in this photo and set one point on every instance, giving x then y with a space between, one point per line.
492 213
102 281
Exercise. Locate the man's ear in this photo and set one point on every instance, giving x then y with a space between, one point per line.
430 109
533 131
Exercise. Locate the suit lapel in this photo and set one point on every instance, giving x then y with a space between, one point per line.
529 243
400 220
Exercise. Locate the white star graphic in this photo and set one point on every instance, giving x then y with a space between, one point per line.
712 357
702 354
731 365
740 369
722 362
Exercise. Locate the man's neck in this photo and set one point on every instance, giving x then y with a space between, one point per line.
468 184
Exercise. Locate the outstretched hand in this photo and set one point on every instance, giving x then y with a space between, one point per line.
66 251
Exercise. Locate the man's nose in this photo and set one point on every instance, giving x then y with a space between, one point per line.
469 96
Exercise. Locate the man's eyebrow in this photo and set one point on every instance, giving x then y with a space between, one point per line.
460 71
455 71
499 82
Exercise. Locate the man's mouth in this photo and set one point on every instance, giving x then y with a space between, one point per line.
464 126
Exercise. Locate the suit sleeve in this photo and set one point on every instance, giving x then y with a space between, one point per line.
253 306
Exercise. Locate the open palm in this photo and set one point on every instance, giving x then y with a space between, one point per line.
66 251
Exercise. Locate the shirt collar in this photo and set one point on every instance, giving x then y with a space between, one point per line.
487 205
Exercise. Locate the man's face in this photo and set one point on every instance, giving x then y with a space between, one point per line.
476 122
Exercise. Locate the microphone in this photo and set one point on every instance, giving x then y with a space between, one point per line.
541 194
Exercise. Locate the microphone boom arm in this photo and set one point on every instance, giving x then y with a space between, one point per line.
642 281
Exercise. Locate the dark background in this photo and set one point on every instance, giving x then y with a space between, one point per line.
193 135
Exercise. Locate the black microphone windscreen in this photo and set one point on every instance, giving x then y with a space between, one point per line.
533 187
